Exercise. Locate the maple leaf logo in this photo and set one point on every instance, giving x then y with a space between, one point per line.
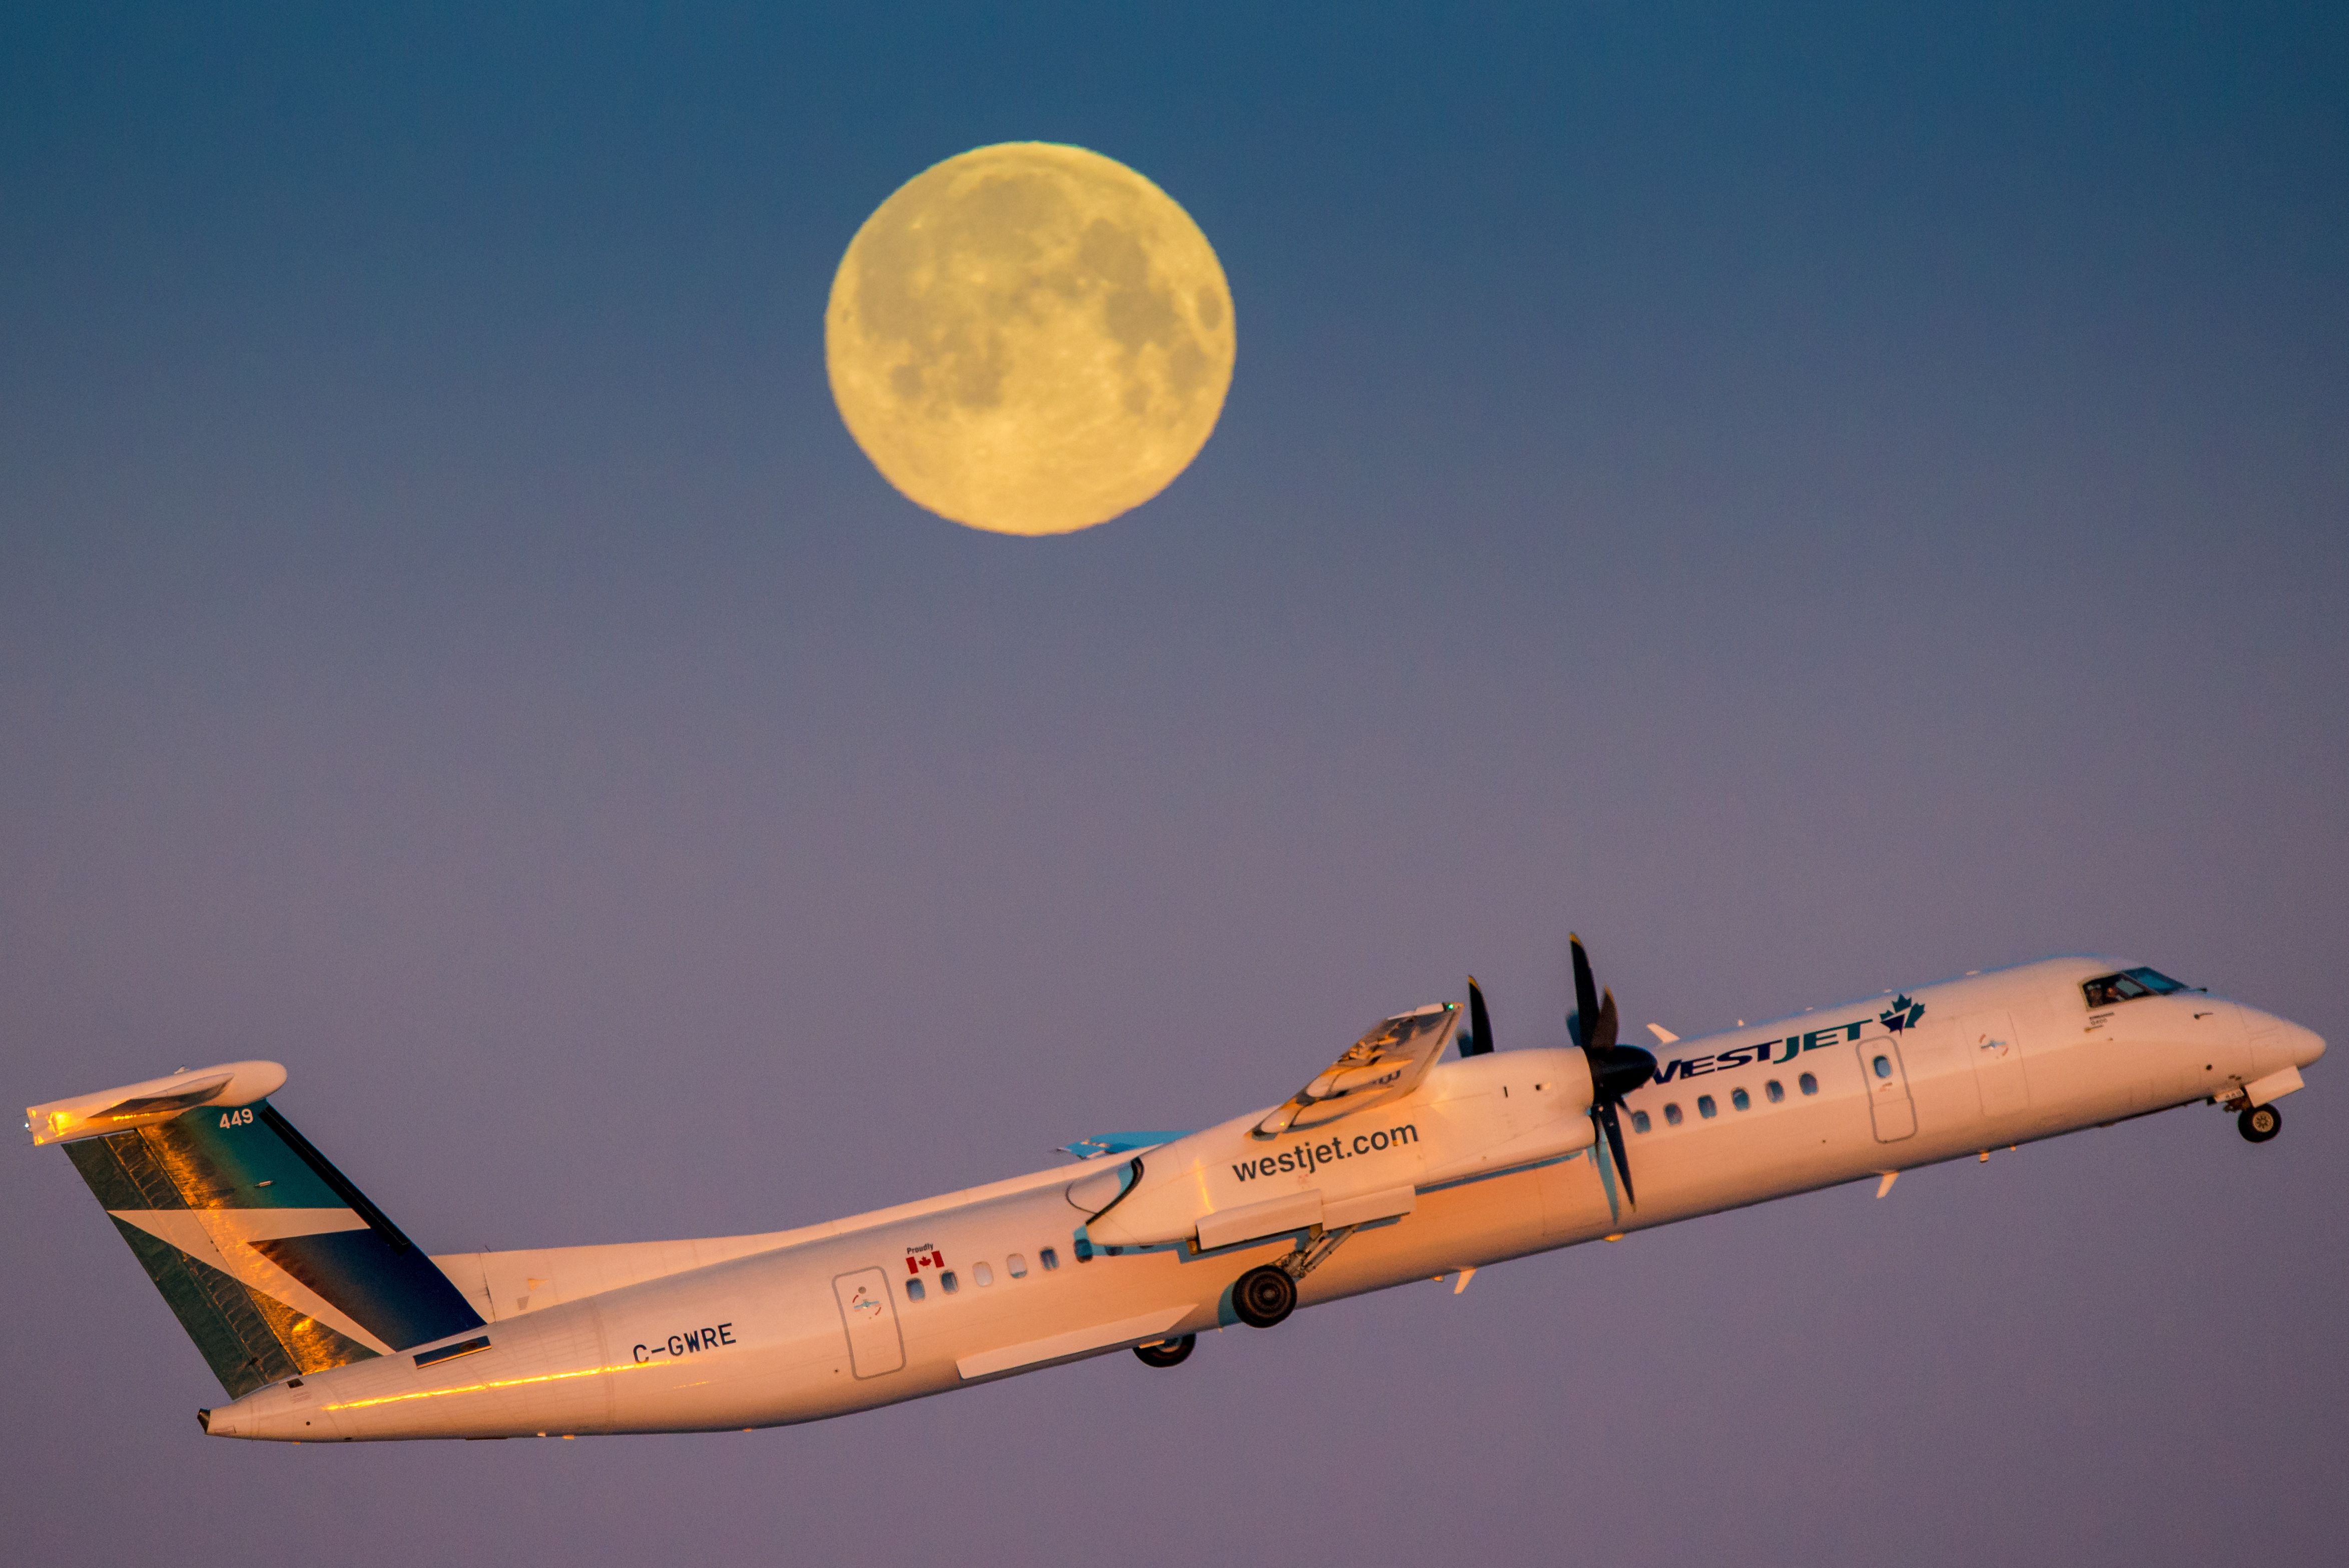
1902 1015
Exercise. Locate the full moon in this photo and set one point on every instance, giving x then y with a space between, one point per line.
1030 339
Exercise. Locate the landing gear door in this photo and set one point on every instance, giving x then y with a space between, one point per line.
1889 1106
874 1345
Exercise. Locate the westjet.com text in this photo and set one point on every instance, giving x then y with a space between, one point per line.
1328 1151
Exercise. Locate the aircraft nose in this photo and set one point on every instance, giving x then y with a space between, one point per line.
2278 1042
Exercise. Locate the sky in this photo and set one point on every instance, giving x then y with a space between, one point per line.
1814 500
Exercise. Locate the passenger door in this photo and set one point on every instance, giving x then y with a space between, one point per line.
870 1316
1889 1107
1989 1038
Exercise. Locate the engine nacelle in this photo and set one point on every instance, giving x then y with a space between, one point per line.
1227 1185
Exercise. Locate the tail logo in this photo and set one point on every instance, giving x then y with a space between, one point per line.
273 1262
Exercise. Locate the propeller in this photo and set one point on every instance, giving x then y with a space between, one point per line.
1615 1069
1479 1038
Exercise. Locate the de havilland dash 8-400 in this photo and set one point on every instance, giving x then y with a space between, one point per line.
325 1323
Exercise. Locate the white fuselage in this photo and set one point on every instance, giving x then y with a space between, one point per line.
802 1325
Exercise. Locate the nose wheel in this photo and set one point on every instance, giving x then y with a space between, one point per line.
2259 1123
1166 1352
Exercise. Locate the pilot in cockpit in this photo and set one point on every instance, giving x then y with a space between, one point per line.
2107 990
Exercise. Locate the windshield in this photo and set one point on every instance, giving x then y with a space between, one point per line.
2128 985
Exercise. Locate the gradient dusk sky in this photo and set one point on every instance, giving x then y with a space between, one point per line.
1815 500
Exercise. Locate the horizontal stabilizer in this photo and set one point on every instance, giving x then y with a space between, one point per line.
156 1100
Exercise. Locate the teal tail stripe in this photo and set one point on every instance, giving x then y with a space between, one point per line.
247 1339
252 1161
340 1186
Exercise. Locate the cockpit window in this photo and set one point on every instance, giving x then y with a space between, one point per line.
2127 986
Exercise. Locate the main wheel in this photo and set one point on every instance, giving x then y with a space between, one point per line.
1166 1352
1264 1295
2259 1123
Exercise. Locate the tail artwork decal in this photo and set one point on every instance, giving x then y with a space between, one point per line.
272 1261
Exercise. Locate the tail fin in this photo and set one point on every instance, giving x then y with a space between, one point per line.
273 1262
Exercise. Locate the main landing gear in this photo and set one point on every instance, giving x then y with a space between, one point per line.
1264 1295
1166 1352
2259 1123
1268 1293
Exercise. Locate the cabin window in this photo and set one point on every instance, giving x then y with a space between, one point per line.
1706 1108
914 1291
2107 990
1050 1259
1775 1090
1672 1113
1741 1099
1016 1266
1808 1084
948 1282
1639 1122
982 1274
1883 1066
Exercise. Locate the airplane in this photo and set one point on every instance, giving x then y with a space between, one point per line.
325 1323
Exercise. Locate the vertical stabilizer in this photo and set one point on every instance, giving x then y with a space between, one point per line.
273 1262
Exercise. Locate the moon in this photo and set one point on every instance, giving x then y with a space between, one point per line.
1030 339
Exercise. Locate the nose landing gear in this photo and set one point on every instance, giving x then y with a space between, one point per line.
2259 1123
1166 1352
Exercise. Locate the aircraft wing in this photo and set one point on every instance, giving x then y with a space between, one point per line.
1384 1064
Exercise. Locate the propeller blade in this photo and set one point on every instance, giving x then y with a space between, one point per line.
1602 1039
1615 1069
1586 994
1480 1023
1605 1110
